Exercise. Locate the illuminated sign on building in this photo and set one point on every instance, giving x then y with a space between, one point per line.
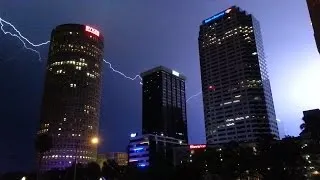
214 17
228 10
133 135
92 30
175 73
217 16
199 146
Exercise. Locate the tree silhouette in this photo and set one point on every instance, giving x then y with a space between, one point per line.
310 126
111 170
93 171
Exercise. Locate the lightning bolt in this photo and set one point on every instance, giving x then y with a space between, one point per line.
122 74
23 39
26 41
193 96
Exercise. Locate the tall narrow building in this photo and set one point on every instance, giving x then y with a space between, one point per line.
238 104
314 10
164 103
72 95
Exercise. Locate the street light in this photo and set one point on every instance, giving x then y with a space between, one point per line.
23 178
95 140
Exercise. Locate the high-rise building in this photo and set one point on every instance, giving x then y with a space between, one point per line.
237 97
72 95
164 103
314 10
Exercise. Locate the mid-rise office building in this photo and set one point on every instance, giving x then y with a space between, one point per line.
164 103
311 125
152 150
237 97
313 113
72 96
314 10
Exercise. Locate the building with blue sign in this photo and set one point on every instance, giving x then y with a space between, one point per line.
151 150
237 98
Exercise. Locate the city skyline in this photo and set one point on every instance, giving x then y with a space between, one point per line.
191 89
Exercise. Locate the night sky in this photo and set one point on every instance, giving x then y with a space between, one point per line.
141 34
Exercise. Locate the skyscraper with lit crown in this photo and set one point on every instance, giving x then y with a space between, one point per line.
238 104
72 95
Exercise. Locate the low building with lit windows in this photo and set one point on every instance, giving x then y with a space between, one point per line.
72 96
121 158
151 150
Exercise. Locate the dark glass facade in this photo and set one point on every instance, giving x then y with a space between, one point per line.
72 95
237 97
314 10
164 103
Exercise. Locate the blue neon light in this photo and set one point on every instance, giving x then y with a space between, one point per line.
138 149
214 17
142 165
